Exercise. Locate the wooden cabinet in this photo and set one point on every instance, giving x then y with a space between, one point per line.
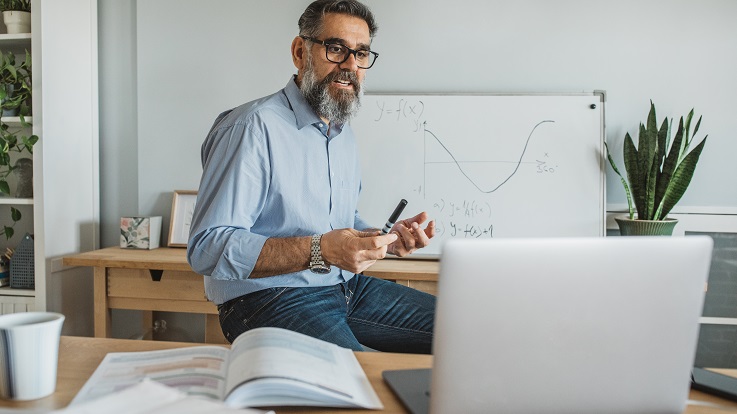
162 280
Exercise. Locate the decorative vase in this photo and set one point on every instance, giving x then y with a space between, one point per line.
629 227
9 90
24 171
17 21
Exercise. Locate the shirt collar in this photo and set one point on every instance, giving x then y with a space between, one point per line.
303 112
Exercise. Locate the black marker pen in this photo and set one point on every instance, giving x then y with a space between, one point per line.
395 215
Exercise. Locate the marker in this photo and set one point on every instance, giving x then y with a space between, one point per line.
395 215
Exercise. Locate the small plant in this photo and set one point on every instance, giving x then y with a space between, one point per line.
15 5
8 231
15 93
658 170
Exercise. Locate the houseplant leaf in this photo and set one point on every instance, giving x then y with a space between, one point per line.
680 181
632 166
669 167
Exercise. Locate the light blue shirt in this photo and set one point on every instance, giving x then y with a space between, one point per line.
271 168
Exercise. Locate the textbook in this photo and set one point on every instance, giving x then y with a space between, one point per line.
264 367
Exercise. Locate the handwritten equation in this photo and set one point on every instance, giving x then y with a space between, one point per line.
462 218
463 208
403 110
452 228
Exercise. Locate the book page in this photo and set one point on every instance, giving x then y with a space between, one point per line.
150 397
197 371
304 370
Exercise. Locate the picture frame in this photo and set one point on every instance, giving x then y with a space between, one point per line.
182 208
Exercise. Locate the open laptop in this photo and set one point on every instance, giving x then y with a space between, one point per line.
563 325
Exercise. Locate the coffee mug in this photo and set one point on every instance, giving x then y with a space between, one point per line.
29 353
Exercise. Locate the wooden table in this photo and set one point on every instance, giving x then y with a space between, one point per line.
78 358
162 280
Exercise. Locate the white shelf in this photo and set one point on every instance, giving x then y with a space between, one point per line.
15 120
16 201
8 291
5 38
16 42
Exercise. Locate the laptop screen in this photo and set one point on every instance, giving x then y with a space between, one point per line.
570 325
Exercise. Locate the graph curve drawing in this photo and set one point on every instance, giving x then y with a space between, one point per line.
458 163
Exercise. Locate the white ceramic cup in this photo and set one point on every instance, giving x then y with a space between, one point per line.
29 353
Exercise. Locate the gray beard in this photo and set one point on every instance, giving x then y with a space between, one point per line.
336 110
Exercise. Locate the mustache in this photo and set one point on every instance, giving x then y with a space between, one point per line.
345 76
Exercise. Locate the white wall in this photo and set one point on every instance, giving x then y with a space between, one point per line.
68 128
190 64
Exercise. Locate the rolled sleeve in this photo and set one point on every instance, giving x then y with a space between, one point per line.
231 196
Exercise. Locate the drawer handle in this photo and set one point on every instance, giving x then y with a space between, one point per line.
156 274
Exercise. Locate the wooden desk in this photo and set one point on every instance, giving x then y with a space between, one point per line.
78 358
162 280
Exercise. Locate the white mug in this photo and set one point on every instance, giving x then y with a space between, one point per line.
29 353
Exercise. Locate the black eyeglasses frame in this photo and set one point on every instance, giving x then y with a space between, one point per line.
350 51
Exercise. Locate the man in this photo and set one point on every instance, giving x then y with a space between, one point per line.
275 230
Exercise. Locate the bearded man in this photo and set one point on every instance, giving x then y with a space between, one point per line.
275 230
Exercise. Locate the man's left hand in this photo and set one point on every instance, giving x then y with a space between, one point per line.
411 235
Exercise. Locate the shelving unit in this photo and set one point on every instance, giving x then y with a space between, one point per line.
22 300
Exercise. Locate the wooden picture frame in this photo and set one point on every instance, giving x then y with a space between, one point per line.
182 208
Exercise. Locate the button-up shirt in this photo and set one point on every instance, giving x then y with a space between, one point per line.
271 168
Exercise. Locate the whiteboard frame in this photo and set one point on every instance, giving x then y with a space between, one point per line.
602 98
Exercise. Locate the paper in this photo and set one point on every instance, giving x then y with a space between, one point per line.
151 397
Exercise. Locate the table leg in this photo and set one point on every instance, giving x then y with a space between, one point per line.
213 332
147 323
102 311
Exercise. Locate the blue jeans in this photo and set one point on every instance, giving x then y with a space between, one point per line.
382 315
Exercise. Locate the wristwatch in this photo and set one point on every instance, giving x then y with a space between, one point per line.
317 263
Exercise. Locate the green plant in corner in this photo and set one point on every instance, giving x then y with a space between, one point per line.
659 169
15 5
15 93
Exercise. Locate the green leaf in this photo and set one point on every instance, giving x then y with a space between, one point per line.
15 214
669 166
624 182
681 179
8 232
632 166
4 187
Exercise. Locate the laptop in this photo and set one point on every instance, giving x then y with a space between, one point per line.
563 325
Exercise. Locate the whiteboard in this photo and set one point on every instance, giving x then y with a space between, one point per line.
485 165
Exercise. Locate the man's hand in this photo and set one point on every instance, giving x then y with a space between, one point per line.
411 235
354 250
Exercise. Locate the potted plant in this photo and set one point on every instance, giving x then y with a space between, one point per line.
16 15
659 171
13 138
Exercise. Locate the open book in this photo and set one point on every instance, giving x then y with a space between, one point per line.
264 367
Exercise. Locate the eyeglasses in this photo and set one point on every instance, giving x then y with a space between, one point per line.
337 53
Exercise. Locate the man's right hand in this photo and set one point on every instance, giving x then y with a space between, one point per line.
354 250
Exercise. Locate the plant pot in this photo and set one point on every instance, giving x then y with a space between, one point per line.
629 227
10 89
24 171
17 21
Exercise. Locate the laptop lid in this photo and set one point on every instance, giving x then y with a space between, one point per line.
572 325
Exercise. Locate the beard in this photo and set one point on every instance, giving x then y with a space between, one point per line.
338 109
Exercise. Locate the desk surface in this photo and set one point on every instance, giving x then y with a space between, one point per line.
78 358
166 258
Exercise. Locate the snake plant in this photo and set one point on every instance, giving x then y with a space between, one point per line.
658 170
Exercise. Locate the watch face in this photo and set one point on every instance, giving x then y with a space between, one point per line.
320 268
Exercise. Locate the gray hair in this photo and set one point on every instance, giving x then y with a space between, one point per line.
310 23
